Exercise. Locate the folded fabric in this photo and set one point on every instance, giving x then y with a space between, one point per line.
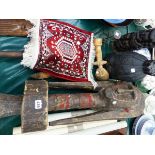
60 49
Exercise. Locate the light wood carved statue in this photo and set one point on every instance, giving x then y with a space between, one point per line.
101 73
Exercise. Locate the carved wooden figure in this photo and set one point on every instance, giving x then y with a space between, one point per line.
101 73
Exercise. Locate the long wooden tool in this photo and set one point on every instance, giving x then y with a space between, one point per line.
11 54
121 100
83 85
98 116
11 104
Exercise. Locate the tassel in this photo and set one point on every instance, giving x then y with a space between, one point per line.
90 64
31 50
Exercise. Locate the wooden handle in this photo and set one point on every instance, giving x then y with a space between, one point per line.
11 54
79 85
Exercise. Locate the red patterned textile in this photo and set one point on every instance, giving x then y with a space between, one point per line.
65 51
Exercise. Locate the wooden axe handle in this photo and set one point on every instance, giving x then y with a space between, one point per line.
79 85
